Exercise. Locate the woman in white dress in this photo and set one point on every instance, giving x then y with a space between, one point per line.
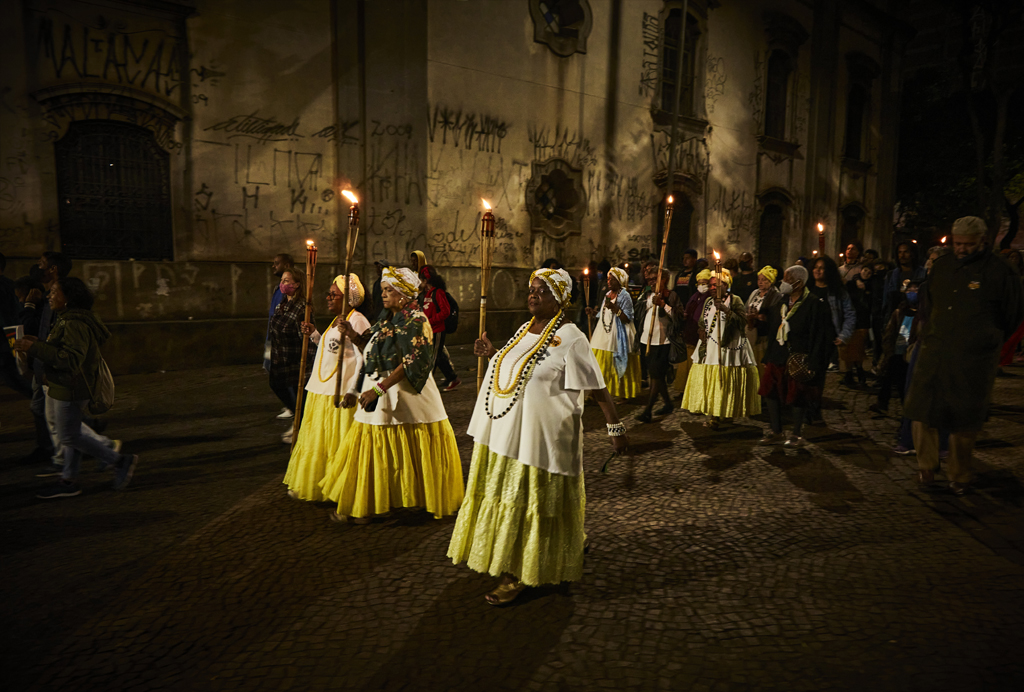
522 519
615 337
324 426
723 378
400 450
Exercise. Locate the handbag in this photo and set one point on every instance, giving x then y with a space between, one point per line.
798 369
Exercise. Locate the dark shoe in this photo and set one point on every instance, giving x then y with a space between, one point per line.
665 410
124 471
645 417
59 489
453 385
959 489
50 471
901 450
848 379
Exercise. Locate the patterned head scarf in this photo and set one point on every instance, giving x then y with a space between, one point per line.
725 277
770 273
356 293
620 275
402 280
704 275
558 282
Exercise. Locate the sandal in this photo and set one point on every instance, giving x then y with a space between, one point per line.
505 593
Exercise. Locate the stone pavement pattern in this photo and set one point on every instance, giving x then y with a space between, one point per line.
716 564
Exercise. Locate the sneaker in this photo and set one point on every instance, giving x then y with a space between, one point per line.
902 451
286 438
794 441
59 489
125 470
285 414
115 446
50 471
771 438
453 385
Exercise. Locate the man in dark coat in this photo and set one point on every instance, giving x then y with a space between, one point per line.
798 324
976 303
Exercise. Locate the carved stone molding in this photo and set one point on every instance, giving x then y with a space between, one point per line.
555 199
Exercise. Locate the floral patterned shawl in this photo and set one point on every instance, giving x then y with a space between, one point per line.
404 338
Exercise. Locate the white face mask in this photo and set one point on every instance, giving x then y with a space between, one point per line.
785 288
703 288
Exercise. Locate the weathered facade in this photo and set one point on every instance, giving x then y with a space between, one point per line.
202 138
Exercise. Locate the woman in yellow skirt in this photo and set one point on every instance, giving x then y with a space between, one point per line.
522 519
723 378
323 425
400 450
614 338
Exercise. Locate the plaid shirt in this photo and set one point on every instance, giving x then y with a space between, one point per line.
286 343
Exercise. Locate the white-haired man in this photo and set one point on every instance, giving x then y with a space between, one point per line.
797 328
976 303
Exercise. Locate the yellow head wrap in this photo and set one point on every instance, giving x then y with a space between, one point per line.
558 282
356 293
769 272
704 275
402 280
620 275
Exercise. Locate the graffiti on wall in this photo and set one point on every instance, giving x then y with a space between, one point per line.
714 82
651 33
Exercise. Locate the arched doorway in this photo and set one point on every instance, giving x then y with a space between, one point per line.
769 235
679 233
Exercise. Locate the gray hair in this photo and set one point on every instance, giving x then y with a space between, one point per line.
797 272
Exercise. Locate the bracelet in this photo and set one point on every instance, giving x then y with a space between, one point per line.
616 429
378 391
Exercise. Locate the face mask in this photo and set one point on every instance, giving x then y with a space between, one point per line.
287 289
785 288
911 298
703 288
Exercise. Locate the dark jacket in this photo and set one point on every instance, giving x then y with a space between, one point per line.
809 331
286 343
892 333
862 299
975 304
71 354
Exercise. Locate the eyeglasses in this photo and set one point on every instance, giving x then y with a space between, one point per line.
334 296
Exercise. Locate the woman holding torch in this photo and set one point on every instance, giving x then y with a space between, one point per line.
400 450
323 425
614 338
522 519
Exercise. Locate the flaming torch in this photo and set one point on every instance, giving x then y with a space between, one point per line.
586 292
720 293
310 274
821 240
661 268
943 241
486 248
350 247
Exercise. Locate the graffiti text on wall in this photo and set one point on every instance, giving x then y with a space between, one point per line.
649 65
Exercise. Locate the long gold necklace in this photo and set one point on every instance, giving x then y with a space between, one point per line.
518 383
505 391
341 355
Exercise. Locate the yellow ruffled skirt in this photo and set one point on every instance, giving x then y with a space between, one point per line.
379 467
321 432
628 386
521 520
735 395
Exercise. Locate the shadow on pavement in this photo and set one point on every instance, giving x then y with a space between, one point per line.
27 534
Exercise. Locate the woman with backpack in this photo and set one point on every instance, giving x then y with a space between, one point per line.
72 361
437 306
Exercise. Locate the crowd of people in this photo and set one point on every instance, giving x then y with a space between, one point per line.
732 340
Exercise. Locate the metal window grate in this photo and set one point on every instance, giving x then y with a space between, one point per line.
113 183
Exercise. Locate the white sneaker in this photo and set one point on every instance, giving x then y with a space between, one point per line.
287 436
285 414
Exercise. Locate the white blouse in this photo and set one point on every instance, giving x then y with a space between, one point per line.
544 428
605 331
321 380
400 403
662 325
736 353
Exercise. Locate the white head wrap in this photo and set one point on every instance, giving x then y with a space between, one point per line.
402 280
620 275
558 282
356 292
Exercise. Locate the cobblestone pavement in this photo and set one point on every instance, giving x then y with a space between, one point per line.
716 564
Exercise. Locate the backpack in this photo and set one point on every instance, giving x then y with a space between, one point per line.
451 322
102 396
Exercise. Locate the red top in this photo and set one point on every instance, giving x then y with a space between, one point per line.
436 308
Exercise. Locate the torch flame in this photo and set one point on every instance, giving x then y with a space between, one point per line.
350 196
821 228
309 243
486 205
914 241
717 256
943 241
586 272
670 200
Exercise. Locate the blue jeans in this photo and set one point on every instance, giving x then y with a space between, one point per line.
68 418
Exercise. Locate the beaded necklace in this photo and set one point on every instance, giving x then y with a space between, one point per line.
529 362
340 355
714 323
605 311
